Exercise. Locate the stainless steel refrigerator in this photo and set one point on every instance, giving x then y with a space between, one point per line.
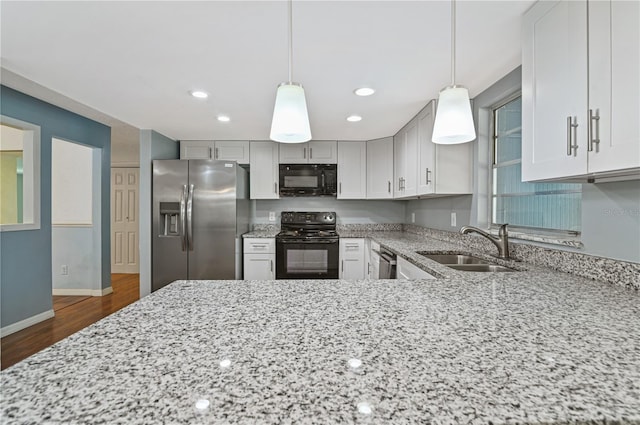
200 211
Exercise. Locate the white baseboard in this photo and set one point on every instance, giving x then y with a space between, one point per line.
23 324
83 292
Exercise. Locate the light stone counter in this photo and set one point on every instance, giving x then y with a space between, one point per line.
530 348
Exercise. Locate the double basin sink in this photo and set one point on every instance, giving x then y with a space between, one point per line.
468 263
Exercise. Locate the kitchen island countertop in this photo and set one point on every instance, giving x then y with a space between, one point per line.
529 347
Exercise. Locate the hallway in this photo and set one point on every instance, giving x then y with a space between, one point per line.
71 315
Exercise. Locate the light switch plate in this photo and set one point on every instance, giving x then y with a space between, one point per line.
272 216
453 219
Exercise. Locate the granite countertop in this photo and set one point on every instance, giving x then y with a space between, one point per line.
530 348
263 233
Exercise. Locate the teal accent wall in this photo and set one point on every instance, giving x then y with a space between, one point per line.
25 256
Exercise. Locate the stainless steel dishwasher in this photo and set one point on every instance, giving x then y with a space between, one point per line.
388 264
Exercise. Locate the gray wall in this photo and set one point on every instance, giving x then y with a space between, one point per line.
153 145
610 211
436 213
25 264
347 211
611 220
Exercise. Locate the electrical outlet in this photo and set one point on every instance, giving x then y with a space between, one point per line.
413 217
272 216
64 270
453 219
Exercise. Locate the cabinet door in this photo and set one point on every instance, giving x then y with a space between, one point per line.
323 152
352 258
399 148
410 183
263 160
380 168
259 266
554 90
294 153
232 150
614 85
196 149
426 170
352 170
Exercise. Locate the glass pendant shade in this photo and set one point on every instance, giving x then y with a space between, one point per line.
454 121
290 122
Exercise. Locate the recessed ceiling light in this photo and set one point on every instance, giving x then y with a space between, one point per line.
364 91
199 94
223 118
354 118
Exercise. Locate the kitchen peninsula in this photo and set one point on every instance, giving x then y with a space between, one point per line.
530 347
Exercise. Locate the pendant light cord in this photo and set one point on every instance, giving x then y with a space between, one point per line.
453 43
290 40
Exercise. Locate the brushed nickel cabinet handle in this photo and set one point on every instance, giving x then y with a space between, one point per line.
304 153
389 186
572 136
310 153
428 181
216 151
594 137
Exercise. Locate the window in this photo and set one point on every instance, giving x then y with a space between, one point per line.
553 207
20 175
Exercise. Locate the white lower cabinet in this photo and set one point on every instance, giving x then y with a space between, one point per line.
373 267
406 270
259 258
352 265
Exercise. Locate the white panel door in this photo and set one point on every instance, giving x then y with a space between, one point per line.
124 220
614 85
352 170
554 90
380 168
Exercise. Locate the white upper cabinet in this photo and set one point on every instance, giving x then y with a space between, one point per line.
232 150
579 85
316 152
263 163
405 151
443 169
380 168
614 85
352 170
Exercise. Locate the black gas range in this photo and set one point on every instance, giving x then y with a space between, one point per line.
307 246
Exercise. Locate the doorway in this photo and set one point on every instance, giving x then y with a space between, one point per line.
76 219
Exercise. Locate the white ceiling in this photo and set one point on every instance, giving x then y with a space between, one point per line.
137 61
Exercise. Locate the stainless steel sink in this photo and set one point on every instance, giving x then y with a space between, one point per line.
455 259
464 262
480 268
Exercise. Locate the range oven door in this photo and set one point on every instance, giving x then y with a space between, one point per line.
298 259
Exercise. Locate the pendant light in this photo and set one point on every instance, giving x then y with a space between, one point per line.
454 121
290 122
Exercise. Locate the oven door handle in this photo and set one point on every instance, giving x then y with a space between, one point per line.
306 242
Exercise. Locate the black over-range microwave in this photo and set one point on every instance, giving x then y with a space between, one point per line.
308 179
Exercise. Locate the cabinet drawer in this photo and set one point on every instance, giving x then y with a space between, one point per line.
352 248
259 245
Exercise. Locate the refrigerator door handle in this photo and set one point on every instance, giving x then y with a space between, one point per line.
183 218
190 218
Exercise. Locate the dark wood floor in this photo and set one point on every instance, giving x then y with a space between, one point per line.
71 315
